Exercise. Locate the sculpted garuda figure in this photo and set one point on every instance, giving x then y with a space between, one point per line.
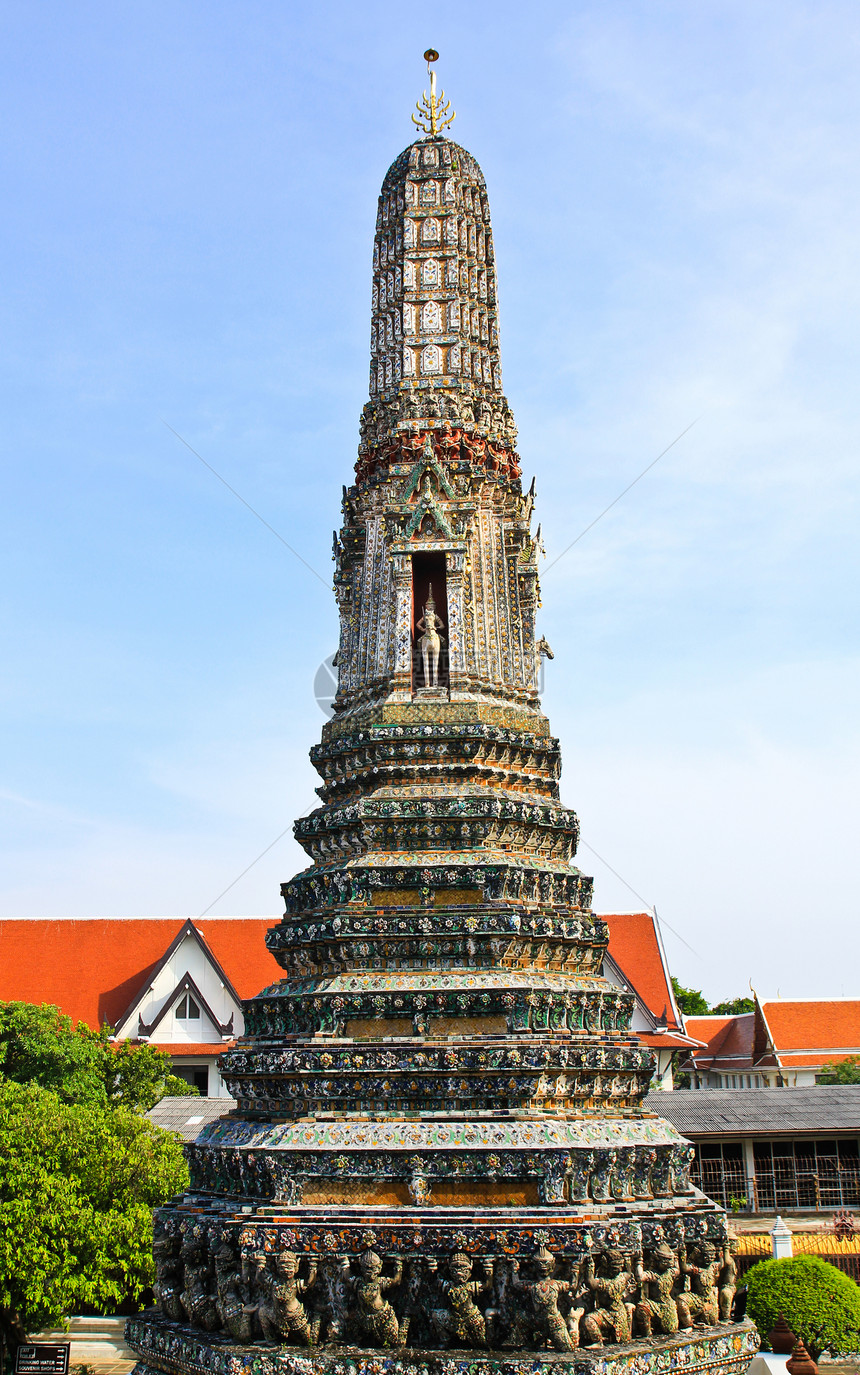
282 1315
461 1321
370 1316
542 1295
611 1314
197 1298
701 1303
656 1308
233 1296
169 1282
728 1284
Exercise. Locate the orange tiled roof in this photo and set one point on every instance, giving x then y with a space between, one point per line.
814 1025
92 968
178 1049
635 948
669 1040
728 1040
811 1060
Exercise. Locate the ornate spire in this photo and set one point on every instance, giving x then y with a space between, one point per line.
434 348
444 1035
437 516
433 113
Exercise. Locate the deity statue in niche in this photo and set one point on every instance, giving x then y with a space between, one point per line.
431 641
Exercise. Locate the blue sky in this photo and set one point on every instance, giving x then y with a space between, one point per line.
189 203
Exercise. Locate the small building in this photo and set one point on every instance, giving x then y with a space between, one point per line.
783 1043
772 1150
179 984
636 962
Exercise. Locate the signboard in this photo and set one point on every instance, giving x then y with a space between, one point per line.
42 1359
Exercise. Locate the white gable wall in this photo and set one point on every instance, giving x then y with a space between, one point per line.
188 958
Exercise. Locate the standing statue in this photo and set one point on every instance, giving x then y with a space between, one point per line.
645 1157
728 1283
282 1316
542 651
656 1306
543 1294
169 1283
582 1163
197 1299
371 1316
431 641
237 1312
611 1314
461 1320
701 1303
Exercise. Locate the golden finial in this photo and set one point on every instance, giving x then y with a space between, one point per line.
433 113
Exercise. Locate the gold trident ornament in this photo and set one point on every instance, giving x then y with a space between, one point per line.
433 112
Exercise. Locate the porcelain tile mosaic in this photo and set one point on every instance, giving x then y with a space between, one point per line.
440 1140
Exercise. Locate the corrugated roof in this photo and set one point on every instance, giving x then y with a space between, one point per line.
188 1116
820 1110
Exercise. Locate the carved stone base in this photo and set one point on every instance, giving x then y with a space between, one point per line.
171 1349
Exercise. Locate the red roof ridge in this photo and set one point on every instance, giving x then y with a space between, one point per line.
791 1002
148 916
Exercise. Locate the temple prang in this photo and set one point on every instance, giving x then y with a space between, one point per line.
439 1141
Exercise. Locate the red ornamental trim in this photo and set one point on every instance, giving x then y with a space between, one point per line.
449 446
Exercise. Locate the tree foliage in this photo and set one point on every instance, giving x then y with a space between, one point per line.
77 1189
735 1007
693 1003
821 1304
81 1168
41 1045
845 1071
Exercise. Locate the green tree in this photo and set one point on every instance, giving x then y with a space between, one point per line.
821 1304
735 1007
77 1189
41 1045
691 1001
845 1071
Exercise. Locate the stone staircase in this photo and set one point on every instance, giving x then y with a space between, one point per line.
96 1342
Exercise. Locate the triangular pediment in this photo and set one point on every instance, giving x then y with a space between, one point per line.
187 967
